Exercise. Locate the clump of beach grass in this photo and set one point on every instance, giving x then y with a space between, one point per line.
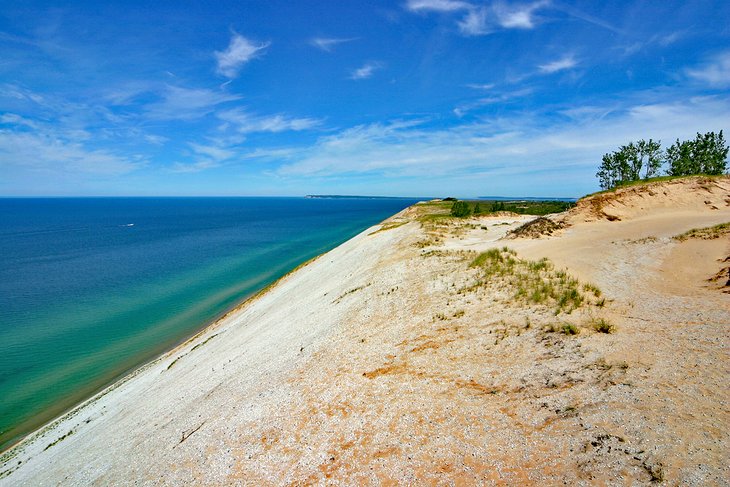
569 329
601 325
707 233
535 282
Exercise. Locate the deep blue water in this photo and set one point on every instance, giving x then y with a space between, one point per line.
92 287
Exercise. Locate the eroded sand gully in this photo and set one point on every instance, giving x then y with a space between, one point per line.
382 362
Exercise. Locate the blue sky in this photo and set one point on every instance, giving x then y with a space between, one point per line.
410 98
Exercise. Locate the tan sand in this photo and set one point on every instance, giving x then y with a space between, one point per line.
383 362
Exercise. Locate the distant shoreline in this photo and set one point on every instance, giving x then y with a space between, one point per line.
524 198
357 197
485 198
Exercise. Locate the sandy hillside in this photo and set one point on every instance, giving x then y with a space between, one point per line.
438 351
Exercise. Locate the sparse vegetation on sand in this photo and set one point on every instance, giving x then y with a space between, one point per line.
442 208
389 226
707 233
534 282
536 228
601 325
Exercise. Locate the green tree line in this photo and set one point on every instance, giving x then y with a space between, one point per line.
706 154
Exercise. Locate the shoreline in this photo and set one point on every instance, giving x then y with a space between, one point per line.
30 439
133 371
126 371
395 358
174 346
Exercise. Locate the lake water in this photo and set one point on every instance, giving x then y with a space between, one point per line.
93 287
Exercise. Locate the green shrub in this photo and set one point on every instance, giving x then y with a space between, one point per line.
460 209
603 326
570 329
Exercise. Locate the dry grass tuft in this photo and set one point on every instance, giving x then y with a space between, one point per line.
535 282
536 228
602 325
708 233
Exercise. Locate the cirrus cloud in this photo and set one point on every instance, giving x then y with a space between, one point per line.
715 72
239 52
566 62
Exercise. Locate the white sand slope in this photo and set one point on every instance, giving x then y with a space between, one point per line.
389 359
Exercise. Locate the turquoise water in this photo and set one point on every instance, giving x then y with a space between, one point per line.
92 287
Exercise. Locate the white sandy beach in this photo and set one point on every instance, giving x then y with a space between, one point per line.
380 363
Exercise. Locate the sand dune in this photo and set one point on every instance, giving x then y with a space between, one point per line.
393 359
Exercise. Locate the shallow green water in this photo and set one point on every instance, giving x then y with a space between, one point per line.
91 288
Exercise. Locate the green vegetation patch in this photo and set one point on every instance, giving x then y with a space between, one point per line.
460 209
536 228
708 233
706 154
521 207
433 210
536 282
389 226
602 326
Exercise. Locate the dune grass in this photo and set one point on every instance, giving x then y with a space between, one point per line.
707 233
534 282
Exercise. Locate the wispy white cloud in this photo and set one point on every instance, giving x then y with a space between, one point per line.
481 86
155 139
191 167
211 151
41 152
15 92
517 16
502 148
437 5
579 14
178 103
205 156
239 52
587 113
566 62
128 92
365 71
714 73
327 44
225 148
668 39
661 40
215 152
244 122
13 119
475 23
504 97
483 19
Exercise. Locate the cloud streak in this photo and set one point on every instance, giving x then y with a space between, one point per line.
243 122
566 62
475 23
483 19
501 98
517 16
328 44
43 153
178 103
437 5
715 73
365 71
524 146
240 51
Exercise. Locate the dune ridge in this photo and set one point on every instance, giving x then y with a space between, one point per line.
403 356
